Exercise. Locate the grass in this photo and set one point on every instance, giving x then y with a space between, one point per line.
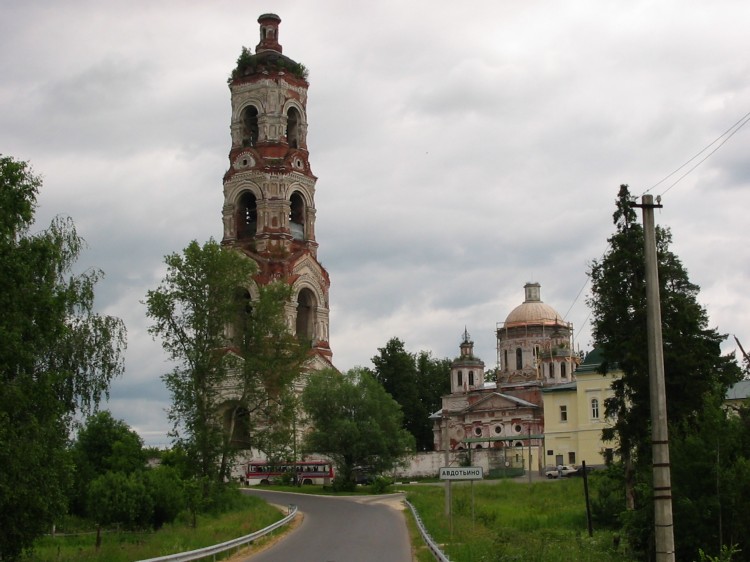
538 522
250 515
511 521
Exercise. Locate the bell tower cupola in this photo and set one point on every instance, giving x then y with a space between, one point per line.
269 208
467 371
269 33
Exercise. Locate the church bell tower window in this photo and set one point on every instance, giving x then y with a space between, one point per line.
250 126
305 320
292 127
297 217
247 216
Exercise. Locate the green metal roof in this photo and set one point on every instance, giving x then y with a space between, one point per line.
515 438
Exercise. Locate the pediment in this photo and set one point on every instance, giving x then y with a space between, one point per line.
496 401
308 265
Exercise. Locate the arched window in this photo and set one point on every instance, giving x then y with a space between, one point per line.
250 126
247 216
595 408
519 358
471 378
505 359
297 216
459 379
237 425
305 315
552 370
293 127
563 371
242 321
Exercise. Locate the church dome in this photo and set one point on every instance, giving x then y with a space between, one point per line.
532 310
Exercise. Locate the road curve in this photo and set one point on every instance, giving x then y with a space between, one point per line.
340 529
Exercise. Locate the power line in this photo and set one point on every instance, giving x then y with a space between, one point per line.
731 131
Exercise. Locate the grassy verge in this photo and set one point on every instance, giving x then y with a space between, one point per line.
249 515
511 521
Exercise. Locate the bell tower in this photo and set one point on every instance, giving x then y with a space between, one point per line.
269 188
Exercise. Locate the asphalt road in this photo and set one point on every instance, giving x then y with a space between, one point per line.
340 529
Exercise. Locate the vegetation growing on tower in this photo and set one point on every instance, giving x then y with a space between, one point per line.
249 64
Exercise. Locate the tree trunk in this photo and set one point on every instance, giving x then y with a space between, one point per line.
629 483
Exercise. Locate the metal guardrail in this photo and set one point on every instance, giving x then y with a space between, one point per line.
434 548
222 547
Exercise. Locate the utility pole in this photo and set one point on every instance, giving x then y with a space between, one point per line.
663 526
446 453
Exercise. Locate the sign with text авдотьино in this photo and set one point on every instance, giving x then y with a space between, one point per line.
461 473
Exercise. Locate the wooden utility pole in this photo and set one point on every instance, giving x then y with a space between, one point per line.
446 452
663 526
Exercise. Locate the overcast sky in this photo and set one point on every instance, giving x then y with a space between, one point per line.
460 151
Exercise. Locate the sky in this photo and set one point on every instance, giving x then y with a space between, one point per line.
460 153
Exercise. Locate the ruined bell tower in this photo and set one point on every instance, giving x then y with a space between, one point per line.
269 188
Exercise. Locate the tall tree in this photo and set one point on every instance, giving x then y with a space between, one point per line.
57 358
355 422
433 380
235 360
693 363
416 382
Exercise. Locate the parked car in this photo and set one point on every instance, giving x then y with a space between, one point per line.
363 475
579 471
562 470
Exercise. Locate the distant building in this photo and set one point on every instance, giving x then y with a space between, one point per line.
737 396
506 415
574 416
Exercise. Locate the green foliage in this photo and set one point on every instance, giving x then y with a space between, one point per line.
273 362
725 555
244 515
504 521
104 444
120 498
607 496
697 376
218 340
249 64
167 491
693 362
417 383
380 485
354 422
57 356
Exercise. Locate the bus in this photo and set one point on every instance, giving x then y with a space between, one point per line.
307 472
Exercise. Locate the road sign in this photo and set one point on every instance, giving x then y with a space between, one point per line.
461 473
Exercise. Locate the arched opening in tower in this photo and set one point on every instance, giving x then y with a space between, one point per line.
297 216
244 310
292 127
247 216
305 315
237 425
250 126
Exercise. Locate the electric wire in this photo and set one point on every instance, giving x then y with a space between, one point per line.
731 131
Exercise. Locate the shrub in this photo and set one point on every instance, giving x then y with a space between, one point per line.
380 485
167 493
116 498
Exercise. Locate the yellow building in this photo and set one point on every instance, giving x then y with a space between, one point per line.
574 417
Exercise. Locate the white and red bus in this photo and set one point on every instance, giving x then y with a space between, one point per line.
307 472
